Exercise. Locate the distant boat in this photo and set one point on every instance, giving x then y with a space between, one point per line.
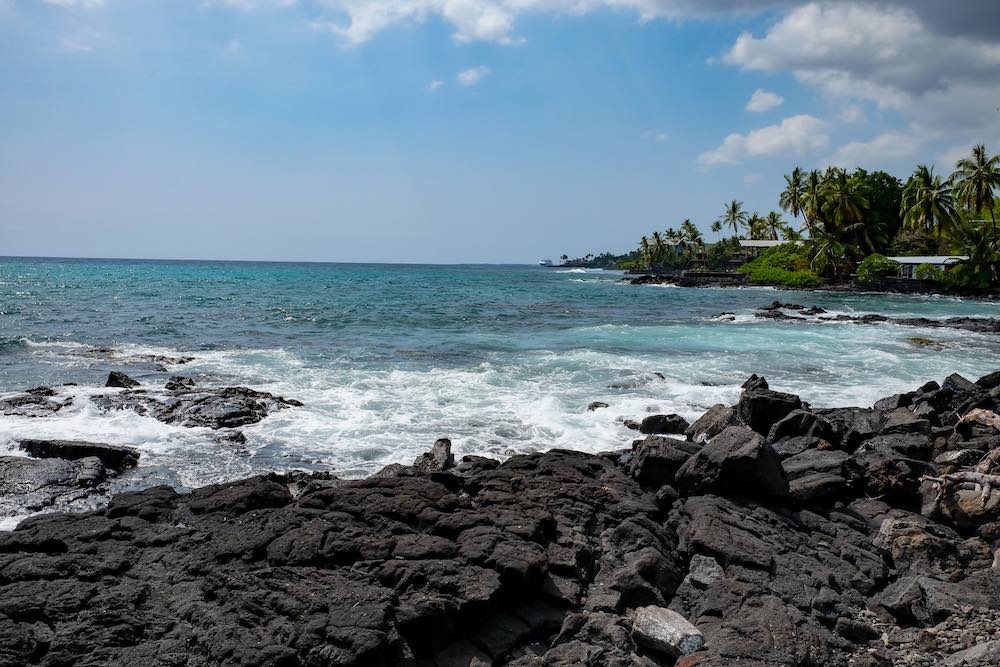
545 262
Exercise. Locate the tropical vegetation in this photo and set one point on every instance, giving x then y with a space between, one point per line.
850 222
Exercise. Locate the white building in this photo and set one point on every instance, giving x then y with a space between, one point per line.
943 262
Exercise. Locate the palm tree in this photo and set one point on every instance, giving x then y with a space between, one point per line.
843 203
757 227
975 180
659 248
734 216
829 255
717 229
774 224
928 202
690 232
791 198
646 252
789 233
812 200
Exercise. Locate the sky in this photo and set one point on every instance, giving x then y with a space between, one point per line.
459 131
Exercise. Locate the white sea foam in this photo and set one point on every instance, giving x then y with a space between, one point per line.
531 397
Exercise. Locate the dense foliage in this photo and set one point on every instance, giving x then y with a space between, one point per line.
876 266
852 219
786 265
928 272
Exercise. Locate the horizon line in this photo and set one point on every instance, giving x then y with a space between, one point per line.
257 261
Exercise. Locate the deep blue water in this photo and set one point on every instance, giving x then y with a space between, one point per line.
389 357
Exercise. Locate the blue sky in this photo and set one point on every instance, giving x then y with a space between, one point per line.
458 130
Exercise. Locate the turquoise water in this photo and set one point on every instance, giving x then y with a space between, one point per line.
387 358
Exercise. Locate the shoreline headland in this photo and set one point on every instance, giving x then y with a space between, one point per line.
766 531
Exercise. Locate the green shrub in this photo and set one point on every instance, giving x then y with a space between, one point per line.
629 265
876 266
966 278
928 272
786 265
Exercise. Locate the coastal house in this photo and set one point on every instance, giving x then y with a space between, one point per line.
675 246
908 265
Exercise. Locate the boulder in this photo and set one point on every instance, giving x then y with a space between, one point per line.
713 422
39 483
179 383
228 407
813 461
32 404
737 462
656 459
666 631
703 571
800 423
663 425
120 380
438 459
925 601
760 409
113 457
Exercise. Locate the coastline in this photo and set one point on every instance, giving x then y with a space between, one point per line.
737 280
766 530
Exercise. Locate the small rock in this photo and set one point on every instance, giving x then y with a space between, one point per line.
663 425
665 630
120 380
438 459
596 405
178 383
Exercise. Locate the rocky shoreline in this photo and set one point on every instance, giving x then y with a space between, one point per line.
766 533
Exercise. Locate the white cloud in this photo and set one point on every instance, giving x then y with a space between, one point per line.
250 5
852 113
473 75
433 86
357 21
72 4
795 135
76 45
751 178
885 148
762 100
894 55
655 135
233 47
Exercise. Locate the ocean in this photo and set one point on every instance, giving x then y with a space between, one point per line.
388 358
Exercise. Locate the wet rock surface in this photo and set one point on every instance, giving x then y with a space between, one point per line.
767 534
115 457
228 407
779 311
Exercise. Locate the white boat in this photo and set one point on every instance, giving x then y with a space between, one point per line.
545 262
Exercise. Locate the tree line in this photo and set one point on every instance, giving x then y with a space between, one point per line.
848 216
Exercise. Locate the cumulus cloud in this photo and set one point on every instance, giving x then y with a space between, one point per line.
433 86
886 147
250 5
473 75
71 4
889 54
763 100
852 113
796 135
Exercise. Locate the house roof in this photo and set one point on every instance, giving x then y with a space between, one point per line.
932 259
768 243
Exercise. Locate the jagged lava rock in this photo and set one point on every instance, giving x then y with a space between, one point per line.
736 462
113 457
